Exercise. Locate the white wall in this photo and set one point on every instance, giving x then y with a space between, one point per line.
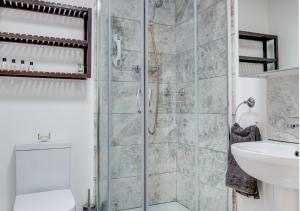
283 21
264 16
63 107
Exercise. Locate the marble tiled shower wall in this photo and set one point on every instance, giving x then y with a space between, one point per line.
162 146
187 155
201 155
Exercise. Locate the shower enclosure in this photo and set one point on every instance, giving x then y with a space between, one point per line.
163 105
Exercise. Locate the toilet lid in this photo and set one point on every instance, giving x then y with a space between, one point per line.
58 200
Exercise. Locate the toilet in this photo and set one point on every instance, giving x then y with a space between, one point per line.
43 177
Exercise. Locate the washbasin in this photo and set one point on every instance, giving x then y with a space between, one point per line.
271 162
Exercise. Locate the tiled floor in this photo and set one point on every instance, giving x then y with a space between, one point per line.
172 206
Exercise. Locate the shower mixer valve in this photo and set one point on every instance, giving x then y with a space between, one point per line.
136 68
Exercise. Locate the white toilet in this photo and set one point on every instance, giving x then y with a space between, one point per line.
43 177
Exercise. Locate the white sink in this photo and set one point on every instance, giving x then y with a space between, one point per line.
269 161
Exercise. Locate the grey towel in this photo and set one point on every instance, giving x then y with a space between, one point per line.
236 178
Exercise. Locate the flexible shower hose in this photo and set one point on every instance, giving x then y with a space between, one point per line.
157 67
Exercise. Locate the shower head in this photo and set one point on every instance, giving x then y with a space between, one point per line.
156 4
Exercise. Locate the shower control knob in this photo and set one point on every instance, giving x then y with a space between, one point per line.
136 68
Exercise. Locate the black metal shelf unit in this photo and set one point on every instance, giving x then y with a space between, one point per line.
54 9
264 38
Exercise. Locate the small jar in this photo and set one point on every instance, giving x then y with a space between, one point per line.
4 64
22 65
80 69
13 65
31 66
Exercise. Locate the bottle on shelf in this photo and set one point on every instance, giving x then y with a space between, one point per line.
3 64
80 68
22 65
13 65
31 66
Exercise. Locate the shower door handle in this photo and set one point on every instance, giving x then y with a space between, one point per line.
117 58
139 100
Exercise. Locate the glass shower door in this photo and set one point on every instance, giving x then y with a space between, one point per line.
121 185
163 105
187 105
171 117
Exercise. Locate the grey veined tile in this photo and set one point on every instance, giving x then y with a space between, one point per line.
126 129
103 130
185 66
164 14
104 7
103 162
162 188
166 128
126 161
124 97
186 191
186 160
185 36
212 132
164 36
167 98
162 158
103 96
212 95
212 23
130 32
205 4
283 108
103 195
212 199
186 124
126 193
185 98
129 9
212 59
184 10
167 63
212 167
102 60
126 72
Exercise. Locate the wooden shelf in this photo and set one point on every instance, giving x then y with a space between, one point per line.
40 74
46 7
42 40
264 38
250 59
256 36
53 9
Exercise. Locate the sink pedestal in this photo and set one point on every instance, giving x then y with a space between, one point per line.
286 199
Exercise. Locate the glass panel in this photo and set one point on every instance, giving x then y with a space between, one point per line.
121 105
182 136
171 144
103 111
212 100
187 105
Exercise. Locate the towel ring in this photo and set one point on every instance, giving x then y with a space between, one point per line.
250 102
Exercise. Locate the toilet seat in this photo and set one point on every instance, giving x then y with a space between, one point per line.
58 200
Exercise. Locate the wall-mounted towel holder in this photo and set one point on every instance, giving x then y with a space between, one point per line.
250 102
